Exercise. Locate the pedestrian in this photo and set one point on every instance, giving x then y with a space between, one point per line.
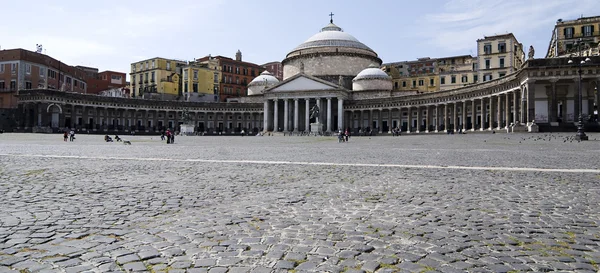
65 136
72 135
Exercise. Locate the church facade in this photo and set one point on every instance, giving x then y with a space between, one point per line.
336 73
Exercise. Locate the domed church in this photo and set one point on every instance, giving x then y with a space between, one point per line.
326 72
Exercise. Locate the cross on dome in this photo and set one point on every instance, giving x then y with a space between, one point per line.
331 15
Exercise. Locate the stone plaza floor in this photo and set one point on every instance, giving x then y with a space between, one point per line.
415 203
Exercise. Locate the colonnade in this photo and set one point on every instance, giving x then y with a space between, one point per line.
296 117
475 114
99 118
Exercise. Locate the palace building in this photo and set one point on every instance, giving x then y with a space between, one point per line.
340 75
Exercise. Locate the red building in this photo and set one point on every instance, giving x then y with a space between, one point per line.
275 68
102 81
235 75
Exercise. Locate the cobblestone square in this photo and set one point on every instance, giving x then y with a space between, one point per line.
414 203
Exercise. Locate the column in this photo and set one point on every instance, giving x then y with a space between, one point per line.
320 120
491 114
409 123
341 114
473 115
389 120
464 115
530 101
370 119
266 116
380 122
507 111
455 117
329 115
275 115
482 114
419 119
499 112
427 118
446 127
296 115
515 107
361 123
552 102
307 115
437 118
286 109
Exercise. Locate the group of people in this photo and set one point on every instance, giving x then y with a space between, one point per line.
343 136
107 138
170 136
69 135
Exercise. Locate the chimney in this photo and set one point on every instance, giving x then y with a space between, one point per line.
238 56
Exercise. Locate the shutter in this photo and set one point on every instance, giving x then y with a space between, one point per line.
592 29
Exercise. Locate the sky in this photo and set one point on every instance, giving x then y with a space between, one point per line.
110 35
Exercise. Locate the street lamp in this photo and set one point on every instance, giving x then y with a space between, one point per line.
580 130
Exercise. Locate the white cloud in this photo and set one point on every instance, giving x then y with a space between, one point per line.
461 22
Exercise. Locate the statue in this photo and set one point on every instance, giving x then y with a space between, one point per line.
531 52
301 67
341 81
314 113
185 116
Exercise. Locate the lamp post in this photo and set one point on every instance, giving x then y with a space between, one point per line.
580 129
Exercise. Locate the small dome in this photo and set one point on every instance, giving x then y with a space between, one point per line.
265 78
372 73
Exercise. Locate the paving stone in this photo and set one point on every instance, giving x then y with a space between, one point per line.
135 266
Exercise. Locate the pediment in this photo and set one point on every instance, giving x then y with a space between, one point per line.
303 83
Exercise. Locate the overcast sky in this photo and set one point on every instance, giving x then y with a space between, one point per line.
110 35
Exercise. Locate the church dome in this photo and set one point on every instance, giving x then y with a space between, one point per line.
265 78
262 82
332 36
371 73
372 78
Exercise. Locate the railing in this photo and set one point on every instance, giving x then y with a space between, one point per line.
8 89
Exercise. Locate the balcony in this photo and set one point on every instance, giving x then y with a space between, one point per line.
6 90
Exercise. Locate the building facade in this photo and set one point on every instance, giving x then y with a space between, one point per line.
457 71
275 68
23 69
567 33
498 56
420 75
201 80
157 78
235 75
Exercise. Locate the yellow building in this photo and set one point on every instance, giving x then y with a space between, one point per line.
201 78
457 71
567 33
498 56
156 77
420 75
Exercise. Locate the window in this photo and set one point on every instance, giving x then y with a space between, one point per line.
487 77
185 75
421 82
216 77
502 62
153 64
195 87
133 79
452 62
230 79
487 64
42 72
195 74
245 71
487 49
502 74
237 70
587 30
464 79
404 84
431 82
2 86
146 65
28 68
69 80
252 72
185 87
442 80
475 78
168 65
1 68
117 77
237 80
13 67
453 79
414 84
27 85
133 68
568 32
502 47
152 76
146 77
396 85
13 85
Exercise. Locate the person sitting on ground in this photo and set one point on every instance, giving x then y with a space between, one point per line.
117 138
107 138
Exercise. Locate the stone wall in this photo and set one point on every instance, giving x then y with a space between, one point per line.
372 84
328 65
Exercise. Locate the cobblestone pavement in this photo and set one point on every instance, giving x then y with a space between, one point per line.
215 204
